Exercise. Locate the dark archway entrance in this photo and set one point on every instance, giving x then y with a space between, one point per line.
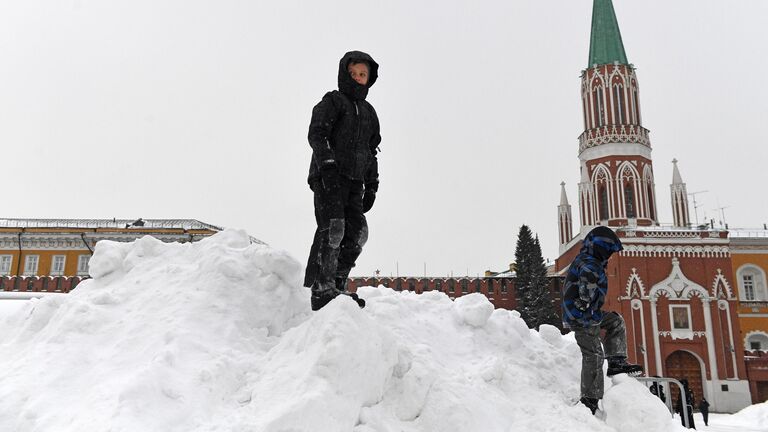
682 364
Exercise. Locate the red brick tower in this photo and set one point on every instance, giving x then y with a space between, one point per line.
617 186
671 283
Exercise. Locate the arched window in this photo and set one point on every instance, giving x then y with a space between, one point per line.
636 106
757 342
601 180
752 284
602 197
597 95
649 194
629 178
629 200
618 104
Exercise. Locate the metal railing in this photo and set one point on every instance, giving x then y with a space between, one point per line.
663 383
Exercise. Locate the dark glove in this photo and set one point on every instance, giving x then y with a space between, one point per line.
330 175
368 198
580 304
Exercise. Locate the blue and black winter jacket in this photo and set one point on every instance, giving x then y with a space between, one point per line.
586 284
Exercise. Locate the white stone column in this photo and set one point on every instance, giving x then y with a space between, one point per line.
655 327
710 340
637 304
723 305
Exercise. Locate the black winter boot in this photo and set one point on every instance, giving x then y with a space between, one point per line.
341 286
322 295
619 365
590 403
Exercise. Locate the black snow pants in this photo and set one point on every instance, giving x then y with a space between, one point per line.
592 356
340 236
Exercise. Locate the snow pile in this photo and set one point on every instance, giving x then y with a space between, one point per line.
217 336
752 415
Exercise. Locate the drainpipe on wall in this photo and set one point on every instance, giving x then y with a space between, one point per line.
18 264
82 237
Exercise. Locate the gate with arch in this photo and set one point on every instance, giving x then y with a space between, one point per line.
682 364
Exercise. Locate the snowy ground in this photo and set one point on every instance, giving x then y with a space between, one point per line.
217 336
750 419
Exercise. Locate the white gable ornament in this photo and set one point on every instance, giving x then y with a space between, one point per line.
677 286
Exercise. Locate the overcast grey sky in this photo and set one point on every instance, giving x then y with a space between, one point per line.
199 109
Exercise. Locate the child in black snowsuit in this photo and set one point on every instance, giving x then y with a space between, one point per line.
583 296
344 176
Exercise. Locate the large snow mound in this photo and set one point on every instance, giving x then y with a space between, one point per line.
752 415
217 336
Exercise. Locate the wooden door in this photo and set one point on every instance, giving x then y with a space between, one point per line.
679 365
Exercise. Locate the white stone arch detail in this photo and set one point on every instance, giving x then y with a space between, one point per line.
648 191
598 76
761 293
627 171
720 280
702 364
702 368
752 334
617 71
600 87
678 287
602 169
634 277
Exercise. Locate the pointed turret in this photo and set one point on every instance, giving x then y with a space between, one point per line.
563 196
680 214
587 208
565 224
605 45
676 177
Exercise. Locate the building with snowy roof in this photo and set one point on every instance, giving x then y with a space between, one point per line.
749 258
51 255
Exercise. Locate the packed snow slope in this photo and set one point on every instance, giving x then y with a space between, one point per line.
218 336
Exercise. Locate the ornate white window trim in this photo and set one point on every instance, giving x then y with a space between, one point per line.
82 265
633 283
758 280
684 251
31 263
699 334
681 328
677 286
58 263
5 264
721 288
760 335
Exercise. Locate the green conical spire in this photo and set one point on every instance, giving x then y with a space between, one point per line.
605 46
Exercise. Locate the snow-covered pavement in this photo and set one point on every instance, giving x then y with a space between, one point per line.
732 423
218 336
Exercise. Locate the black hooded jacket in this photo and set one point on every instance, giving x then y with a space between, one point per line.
344 129
586 284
